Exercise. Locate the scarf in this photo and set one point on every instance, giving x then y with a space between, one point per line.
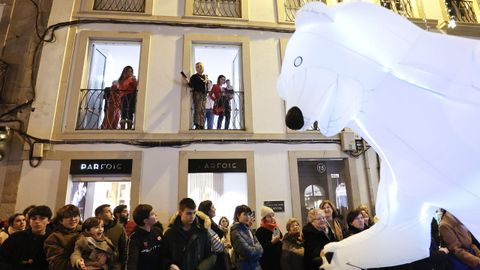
268 226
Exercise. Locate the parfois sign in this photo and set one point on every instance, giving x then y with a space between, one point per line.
100 166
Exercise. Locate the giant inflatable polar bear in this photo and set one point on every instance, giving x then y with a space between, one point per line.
414 96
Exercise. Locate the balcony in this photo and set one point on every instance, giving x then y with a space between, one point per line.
461 11
401 7
218 8
237 114
290 8
136 6
105 109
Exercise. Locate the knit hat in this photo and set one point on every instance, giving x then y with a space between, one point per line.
265 211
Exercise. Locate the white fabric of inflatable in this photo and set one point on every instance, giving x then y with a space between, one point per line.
414 96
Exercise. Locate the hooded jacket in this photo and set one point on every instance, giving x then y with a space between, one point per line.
189 250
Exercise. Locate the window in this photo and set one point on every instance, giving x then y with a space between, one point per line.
221 55
94 103
222 60
225 190
103 105
89 193
128 7
236 9
225 178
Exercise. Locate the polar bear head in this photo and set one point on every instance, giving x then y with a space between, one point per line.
328 62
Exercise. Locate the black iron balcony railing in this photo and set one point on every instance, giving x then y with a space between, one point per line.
461 10
292 6
106 109
401 7
236 117
218 8
120 5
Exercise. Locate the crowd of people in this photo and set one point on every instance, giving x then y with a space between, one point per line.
193 240
210 99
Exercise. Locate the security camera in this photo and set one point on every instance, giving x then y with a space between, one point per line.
4 133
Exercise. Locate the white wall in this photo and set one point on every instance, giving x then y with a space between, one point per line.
38 185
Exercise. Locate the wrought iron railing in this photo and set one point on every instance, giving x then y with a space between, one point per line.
237 113
461 10
120 5
292 6
106 109
218 8
401 7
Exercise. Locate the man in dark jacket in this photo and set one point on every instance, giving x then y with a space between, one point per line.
186 242
23 250
144 244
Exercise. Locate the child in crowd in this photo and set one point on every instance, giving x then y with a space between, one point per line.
92 249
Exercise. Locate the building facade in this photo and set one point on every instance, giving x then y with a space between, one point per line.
88 155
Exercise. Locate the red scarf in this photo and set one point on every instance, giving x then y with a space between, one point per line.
268 226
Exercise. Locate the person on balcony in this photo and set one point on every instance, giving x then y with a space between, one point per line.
112 106
127 84
199 83
227 95
216 95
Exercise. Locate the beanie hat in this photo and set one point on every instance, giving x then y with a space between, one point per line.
265 211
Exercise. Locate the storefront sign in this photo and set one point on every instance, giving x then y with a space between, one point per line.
97 166
217 165
277 206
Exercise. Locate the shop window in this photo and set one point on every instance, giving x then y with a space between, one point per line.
89 193
225 190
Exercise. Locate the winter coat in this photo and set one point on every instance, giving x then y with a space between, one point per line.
117 234
339 229
247 249
59 246
189 250
222 260
271 252
144 250
21 247
314 242
292 252
459 240
88 249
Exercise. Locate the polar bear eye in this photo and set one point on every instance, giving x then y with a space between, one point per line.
298 61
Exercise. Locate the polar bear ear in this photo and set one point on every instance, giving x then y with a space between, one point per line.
314 12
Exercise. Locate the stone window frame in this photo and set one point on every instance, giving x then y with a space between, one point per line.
78 70
244 43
